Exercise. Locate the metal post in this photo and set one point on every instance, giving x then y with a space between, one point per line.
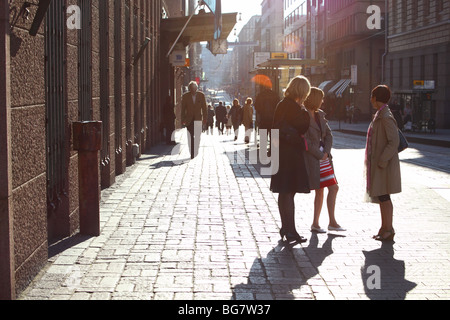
87 140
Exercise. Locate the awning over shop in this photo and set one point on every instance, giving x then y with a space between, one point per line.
342 88
278 63
336 87
200 28
324 84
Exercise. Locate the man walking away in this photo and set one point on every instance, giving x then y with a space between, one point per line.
194 113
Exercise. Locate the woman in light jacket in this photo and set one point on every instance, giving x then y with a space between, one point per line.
382 161
319 161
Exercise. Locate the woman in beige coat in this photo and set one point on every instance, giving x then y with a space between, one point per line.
382 161
319 161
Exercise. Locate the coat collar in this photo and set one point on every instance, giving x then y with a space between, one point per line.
382 113
313 122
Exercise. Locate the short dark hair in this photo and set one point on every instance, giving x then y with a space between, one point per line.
382 93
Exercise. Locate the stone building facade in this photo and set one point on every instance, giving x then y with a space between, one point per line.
63 62
418 63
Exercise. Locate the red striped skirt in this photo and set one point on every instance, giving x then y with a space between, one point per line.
327 177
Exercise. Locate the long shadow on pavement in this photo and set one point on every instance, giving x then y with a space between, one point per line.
284 272
383 276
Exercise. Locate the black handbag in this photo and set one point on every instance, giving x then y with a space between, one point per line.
403 142
290 135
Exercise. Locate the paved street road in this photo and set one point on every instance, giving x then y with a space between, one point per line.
173 228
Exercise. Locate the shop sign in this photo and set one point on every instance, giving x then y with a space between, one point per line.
278 55
424 85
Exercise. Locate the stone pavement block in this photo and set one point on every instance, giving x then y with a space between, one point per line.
81 296
101 296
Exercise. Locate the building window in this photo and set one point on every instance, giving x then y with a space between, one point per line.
104 79
435 68
394 14
118 76
439 9
404 14
85 62
400 73
426 8
422 67
391 73
414 12
411 71
55 78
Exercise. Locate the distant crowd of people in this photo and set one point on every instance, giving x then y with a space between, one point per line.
231 117
304 146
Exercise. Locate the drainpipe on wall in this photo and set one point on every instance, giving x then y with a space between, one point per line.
386 48
7 267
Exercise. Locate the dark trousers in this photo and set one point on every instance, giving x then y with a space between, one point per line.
269 138
221 126
236 131
194 137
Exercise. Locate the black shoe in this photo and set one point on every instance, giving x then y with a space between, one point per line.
295 237
282 234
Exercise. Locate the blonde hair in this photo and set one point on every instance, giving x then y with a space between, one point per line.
298 88
314 99
249 101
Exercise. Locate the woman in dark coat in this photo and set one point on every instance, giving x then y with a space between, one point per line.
291 177
236 117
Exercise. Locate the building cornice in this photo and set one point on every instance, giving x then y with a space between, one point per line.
442 23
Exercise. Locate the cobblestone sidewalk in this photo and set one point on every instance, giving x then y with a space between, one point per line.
208 228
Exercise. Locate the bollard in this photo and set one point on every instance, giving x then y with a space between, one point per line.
87 140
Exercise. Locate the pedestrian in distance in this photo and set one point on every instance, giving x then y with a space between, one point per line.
236 117
398 114
382 161
265 104
319 161
210 121
247 119
221 115
229 123
291 177
194 114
